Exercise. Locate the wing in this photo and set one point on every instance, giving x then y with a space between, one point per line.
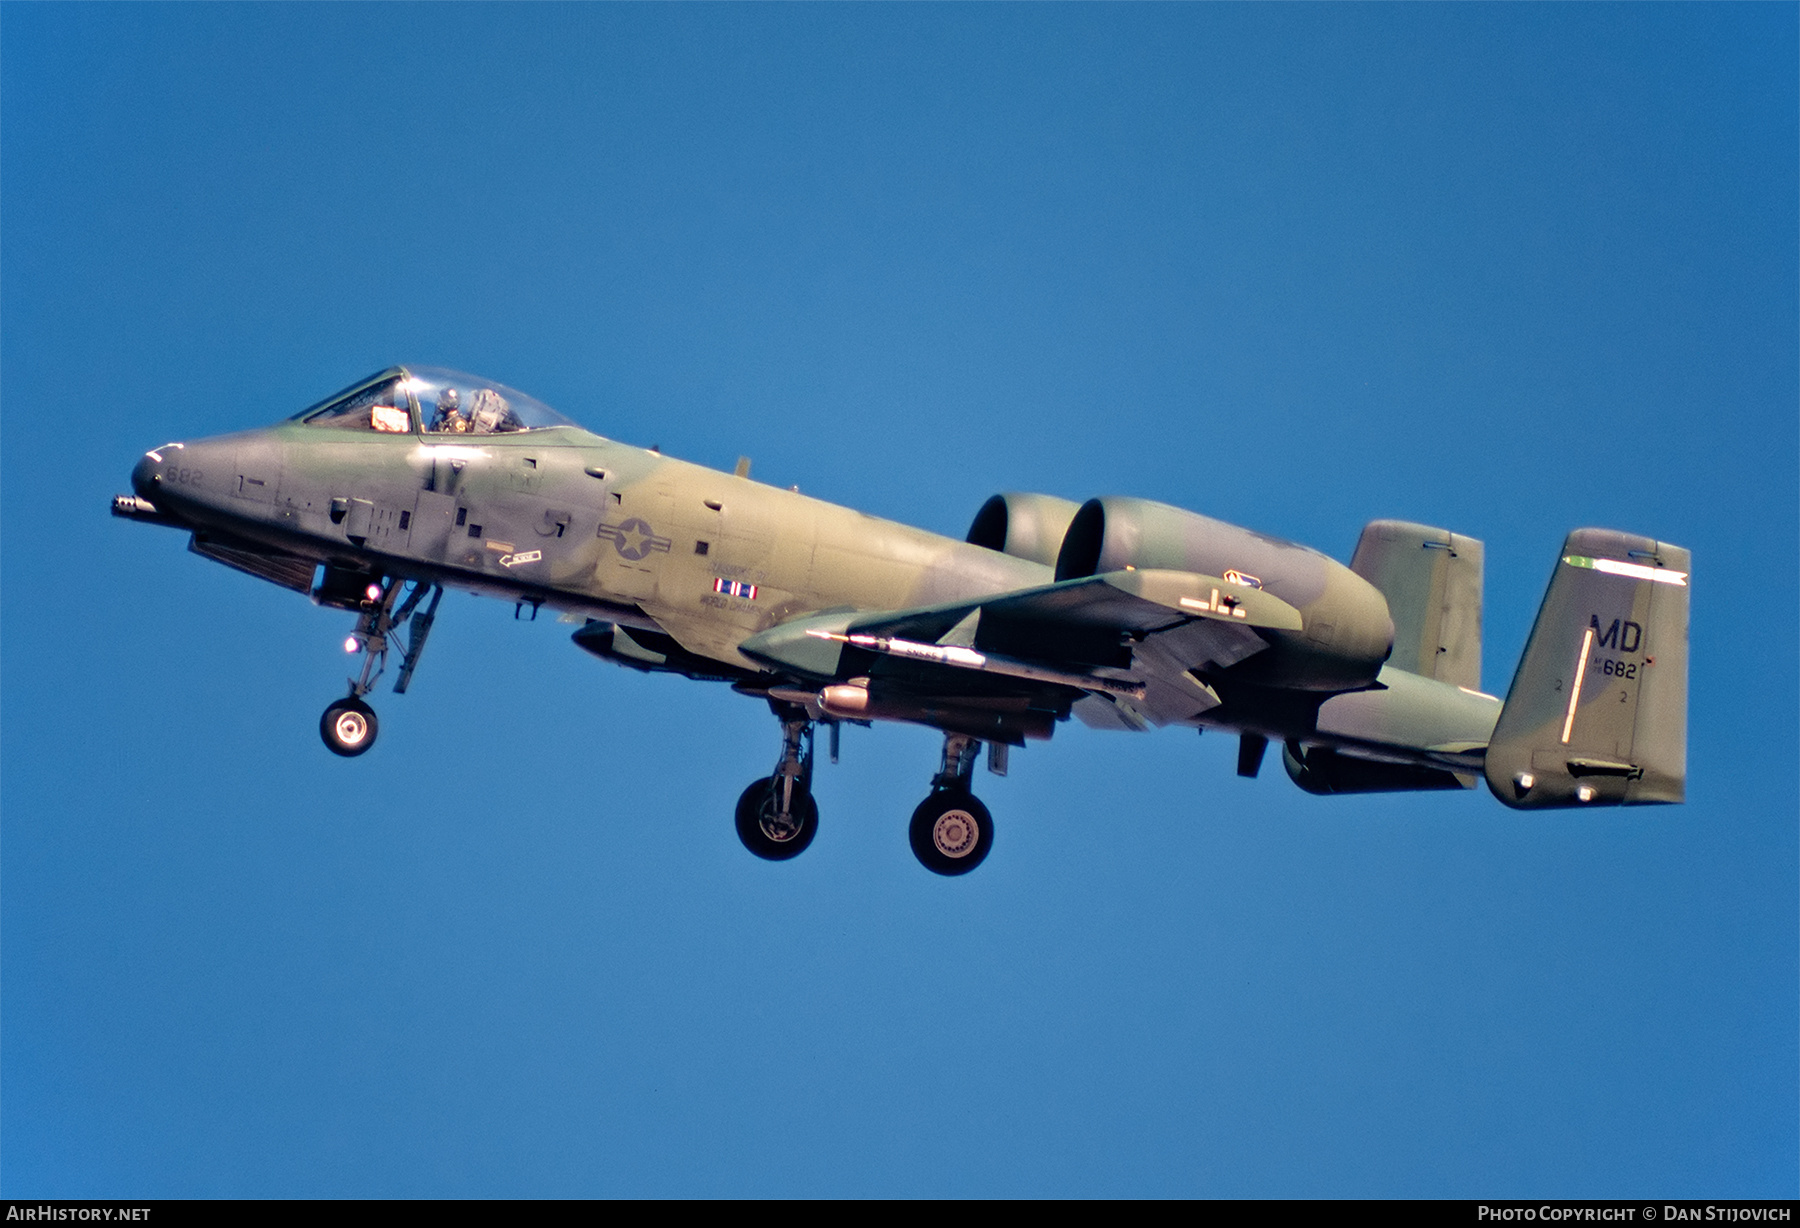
1122 648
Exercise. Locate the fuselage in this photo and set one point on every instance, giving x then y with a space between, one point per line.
544 512
1127 613
571 520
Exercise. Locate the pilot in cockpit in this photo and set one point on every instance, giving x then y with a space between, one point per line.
449 413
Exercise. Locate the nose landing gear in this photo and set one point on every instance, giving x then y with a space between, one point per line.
348 726
951 831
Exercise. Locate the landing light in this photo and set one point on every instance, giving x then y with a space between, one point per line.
350 644
373 592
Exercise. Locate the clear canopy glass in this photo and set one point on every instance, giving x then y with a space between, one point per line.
439 401
451 402
376 404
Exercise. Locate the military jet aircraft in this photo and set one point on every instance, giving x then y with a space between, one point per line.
1124 613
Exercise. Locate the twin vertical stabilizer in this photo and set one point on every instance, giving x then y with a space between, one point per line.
1597 713
1432 581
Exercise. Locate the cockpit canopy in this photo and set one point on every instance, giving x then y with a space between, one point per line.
433 401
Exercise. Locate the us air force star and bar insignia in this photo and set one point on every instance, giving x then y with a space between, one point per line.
634 539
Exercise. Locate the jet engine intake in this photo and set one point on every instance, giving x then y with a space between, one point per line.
1025 526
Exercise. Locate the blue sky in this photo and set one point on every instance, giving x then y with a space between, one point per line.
1510 270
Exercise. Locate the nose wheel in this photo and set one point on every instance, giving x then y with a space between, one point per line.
349 727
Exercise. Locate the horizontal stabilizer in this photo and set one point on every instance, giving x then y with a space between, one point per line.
1597 713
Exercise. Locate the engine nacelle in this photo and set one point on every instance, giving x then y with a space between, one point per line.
1347 632
1025 526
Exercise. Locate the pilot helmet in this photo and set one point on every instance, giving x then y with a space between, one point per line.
447 399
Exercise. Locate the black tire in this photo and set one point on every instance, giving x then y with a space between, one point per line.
348 727
764 834
951 832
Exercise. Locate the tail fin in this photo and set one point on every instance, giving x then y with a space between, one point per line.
1432 581
1597 713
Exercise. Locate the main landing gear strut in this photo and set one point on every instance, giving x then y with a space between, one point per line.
951 831
348 726
777 816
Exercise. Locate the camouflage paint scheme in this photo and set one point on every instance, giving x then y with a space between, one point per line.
1127 613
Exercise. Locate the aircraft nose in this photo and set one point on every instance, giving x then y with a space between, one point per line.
198 472
145 473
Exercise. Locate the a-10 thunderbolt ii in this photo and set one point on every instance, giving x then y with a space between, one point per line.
1125 613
